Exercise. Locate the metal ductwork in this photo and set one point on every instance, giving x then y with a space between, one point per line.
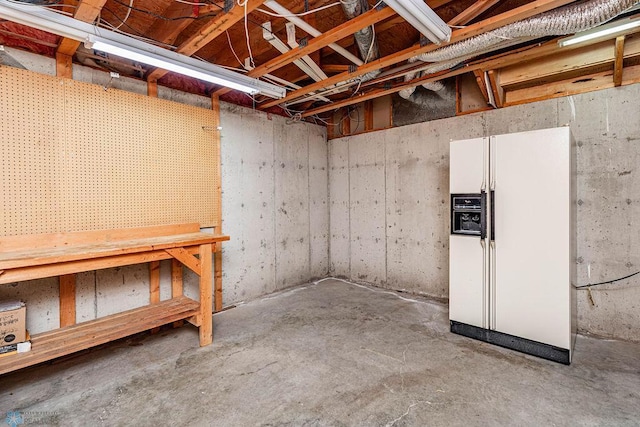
563 21
365 38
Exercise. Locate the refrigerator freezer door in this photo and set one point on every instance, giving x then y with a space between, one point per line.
532 220
467 165
468 282
467 289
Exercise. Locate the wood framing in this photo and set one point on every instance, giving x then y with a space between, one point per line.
168 29
517 14
496 88
214 28
618 61
472 12
64 66
67 285
86 11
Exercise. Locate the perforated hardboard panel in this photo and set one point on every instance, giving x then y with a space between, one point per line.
75 157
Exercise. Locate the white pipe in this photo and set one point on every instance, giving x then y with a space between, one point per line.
275 6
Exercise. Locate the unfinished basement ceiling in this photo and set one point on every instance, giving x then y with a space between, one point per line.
219 32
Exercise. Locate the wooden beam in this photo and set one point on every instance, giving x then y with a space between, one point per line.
187 259
496 88
64 66
154 282
566 64
67 284
152 88
167 30
574 86
206 297
530 9
176 278
341 31
472 12
212 29
368 115
618 64
345 128
86 11
479 75
335 68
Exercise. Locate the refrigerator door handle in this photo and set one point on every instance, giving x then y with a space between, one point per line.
483 214
492 225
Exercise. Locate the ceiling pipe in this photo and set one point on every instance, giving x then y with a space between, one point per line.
365 38
304 63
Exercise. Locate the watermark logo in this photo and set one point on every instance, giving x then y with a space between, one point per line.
14 418
17 418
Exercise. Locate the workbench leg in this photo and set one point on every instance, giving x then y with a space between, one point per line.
67 285
206 297
176 285
217 278
154 287
154 282
176 278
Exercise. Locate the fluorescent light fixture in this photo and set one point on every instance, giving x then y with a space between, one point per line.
130 48
611 29
422 18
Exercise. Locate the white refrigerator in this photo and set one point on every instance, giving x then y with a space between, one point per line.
512 243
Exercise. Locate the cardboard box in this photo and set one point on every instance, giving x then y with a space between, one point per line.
12 322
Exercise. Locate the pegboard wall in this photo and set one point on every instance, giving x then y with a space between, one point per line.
75 157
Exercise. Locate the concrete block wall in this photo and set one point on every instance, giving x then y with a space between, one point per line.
274 202
389 208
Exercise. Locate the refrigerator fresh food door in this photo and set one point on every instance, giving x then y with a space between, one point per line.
468 281
531 253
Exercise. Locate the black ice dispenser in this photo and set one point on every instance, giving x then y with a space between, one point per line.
468 214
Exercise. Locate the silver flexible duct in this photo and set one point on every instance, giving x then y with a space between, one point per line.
566 20
365 38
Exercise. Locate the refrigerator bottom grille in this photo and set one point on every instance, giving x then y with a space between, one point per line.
534 348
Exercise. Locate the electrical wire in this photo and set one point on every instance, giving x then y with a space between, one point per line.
127 15
164 18
233 50
243 3
608 281
191 3
138 35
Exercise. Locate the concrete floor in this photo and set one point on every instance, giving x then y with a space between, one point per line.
328 354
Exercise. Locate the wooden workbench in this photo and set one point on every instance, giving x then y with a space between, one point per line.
64 254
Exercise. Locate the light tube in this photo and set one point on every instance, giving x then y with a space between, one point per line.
422 18
602 31
158 62
130 48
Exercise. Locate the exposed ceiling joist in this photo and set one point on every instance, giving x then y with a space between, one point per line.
517 14
167 30
366 19
473 11
214 28
518 58
86 11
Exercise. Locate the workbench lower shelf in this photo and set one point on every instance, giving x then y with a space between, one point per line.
71 339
